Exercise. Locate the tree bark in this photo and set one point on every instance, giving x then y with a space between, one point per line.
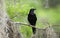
7 29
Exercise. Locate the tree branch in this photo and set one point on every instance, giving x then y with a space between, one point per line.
19 23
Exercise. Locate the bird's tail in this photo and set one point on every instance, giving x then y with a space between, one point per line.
34 30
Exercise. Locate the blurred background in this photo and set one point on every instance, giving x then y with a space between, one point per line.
47 12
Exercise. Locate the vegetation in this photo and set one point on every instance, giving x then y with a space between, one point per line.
19 9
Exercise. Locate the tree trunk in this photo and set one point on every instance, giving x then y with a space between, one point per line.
7 29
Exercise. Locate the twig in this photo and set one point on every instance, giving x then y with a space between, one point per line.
19 23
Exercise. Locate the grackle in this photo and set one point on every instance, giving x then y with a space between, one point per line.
32 19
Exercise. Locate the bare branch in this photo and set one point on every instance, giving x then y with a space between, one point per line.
20 23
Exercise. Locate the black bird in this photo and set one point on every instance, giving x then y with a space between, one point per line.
32 19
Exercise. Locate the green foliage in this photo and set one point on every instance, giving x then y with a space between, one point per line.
20 10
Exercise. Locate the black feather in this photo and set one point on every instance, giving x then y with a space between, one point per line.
32 19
